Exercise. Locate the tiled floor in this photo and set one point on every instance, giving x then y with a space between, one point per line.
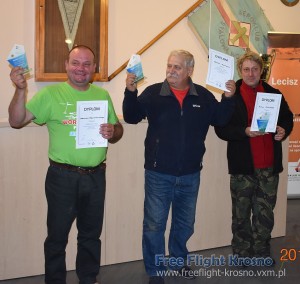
287 272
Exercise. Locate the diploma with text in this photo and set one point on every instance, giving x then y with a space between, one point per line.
266 112
220 69
90 115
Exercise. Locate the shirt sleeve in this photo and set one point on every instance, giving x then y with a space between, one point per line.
112 117
40 106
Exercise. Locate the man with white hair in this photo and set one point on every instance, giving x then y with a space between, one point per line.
179 114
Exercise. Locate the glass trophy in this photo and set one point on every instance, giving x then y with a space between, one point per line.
262 122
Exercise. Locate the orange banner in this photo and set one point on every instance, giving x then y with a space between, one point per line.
285 76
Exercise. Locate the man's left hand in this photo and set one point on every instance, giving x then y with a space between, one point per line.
280 133
107 130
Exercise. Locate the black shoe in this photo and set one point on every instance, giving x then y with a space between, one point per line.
186 272
156 280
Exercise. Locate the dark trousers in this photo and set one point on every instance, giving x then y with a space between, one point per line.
71 195
253 195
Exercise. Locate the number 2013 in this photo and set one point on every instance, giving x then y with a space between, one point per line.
288 254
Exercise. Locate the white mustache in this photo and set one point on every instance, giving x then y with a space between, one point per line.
174 75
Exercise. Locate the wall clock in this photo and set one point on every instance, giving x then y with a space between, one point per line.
290 3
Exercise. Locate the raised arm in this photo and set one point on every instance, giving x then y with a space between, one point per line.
133 111
19 116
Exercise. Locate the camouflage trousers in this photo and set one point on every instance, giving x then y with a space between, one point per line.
253 200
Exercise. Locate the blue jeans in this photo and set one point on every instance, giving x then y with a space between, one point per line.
71 196
162 190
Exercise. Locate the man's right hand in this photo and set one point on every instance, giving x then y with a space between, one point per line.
18 78
130 82
252 134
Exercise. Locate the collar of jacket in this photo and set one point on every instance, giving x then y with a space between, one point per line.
266 86
166 91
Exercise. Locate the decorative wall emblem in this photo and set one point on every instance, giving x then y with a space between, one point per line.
70 11
290 3
239 34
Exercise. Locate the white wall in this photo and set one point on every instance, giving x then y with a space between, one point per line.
132 24
23 160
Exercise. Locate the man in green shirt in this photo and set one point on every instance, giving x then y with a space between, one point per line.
75 181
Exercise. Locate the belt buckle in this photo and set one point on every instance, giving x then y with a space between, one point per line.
83 170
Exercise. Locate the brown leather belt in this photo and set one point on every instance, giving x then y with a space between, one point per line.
80 170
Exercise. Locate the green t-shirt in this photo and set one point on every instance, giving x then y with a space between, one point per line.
55 105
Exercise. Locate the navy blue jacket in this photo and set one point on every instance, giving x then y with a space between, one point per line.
238 147
175 137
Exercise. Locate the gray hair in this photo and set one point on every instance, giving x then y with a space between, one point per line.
188 57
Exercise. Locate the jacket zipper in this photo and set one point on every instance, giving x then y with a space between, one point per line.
155 154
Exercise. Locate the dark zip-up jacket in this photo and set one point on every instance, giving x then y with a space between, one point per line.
238 146
175 137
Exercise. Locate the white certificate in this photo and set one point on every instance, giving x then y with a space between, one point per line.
90 115
220 69
266 112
